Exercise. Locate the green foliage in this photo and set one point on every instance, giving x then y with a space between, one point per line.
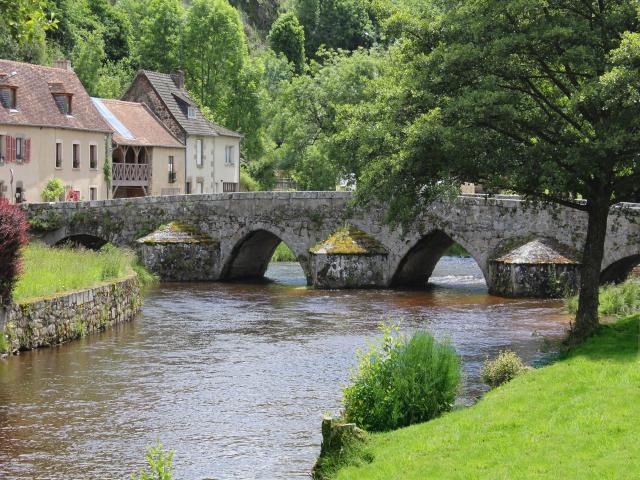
48 270
287 37
622 299
547 421
456 250
247 183
5 345
158 44
88 55
506 366
53 190
26 20
283 254
159 462
401 381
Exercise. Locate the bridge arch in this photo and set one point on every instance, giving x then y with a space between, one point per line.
251 249
619 270
418 261
92 242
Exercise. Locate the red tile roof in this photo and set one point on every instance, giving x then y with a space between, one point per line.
35 103
141 126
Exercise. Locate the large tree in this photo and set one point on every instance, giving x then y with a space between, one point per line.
159 36
287 37
537 96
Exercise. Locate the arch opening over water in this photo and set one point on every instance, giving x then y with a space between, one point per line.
619 271
251 256
416 267
91 242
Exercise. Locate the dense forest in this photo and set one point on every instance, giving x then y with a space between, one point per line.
280 72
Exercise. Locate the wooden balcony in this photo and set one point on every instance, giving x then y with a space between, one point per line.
130 174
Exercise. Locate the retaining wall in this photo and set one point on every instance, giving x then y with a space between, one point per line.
57 319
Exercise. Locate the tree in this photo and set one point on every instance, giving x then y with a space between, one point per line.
533 96
13 236
26 19
116 29
159 44
287 37
88 57
53 190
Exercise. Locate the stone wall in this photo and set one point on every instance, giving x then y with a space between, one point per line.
57 319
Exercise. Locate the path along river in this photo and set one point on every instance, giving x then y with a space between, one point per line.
235 377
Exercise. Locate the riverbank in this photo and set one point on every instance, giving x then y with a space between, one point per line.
67 293
575 419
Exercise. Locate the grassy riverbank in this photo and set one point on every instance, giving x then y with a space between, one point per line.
47 271
575 419
283 254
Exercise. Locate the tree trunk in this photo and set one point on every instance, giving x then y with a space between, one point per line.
593 252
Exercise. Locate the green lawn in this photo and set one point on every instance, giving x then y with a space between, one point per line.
578 418
47 270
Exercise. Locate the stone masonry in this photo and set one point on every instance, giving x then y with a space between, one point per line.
249 226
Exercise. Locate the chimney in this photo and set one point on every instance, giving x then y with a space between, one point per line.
63 63
178 78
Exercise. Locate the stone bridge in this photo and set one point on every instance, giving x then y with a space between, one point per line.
512 241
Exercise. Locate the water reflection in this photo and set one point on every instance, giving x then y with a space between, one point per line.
234 377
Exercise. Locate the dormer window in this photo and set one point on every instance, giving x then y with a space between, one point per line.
63 101
8 97
191 112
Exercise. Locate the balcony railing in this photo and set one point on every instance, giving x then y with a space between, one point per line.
229 187
130 174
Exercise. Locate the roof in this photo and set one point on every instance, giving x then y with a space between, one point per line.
349 240
176 232
36 105
539 252
134 124
177 99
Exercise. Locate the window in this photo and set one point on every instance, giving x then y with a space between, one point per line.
76 155
58 154
191 112
199 152
2 148
8 97
63 101
19 149
228 155
93 157
200 187
187 188
172 173
93 193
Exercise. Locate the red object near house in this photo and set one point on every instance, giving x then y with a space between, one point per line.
73 195
26 155
11 149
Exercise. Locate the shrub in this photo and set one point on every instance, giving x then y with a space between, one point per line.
247 182
160 464
283 254
622 299
505 367
13 236
400 381
53 190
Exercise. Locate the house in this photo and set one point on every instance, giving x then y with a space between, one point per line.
146 158
49 128
212 151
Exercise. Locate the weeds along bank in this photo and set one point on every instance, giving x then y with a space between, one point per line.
573 419
66 293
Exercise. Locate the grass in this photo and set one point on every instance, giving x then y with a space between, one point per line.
283 254
621 299
349 240
574 419
47 271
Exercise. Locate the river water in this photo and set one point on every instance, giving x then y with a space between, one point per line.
235 377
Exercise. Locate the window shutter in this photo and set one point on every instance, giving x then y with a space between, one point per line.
11 149
26 156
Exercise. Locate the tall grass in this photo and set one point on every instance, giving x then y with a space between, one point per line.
621 299
48 270
283 254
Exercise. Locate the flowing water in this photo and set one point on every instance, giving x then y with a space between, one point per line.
235 377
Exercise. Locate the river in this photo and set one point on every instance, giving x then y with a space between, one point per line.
236 377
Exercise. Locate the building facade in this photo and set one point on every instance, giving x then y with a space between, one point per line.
212 152
49 128
146 158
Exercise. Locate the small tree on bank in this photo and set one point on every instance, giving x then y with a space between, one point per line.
533 96
13 236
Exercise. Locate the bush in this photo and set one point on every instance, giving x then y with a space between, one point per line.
13 236
247 182
160 464
283 254
53 190
622 299
505 367
400 381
